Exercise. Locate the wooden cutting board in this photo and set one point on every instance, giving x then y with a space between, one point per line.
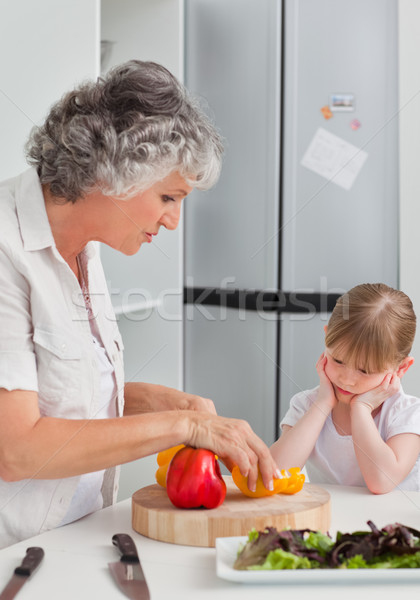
154 516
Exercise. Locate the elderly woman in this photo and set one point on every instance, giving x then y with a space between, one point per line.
112 163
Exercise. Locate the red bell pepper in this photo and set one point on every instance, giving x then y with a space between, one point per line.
194 479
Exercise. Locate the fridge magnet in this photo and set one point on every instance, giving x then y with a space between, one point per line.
355 124
333 158
342 102
326 112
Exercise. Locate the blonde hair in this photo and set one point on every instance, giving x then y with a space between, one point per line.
372 327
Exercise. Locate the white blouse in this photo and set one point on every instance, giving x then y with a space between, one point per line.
88 495
46 346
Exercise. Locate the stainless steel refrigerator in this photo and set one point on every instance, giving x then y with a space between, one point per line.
305 95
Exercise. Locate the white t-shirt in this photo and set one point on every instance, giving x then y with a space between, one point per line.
46 346
333 459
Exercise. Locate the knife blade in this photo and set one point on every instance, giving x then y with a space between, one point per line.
128 572
30 563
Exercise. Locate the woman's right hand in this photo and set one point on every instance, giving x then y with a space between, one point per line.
234 442
326 394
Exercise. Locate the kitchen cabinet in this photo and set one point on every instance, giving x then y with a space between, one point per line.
409 152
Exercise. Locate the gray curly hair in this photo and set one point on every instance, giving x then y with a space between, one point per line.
123 133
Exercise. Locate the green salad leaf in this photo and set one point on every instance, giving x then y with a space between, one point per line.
280 559
319 541
392 547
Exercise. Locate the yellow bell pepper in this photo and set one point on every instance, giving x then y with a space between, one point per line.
283 485
295 481
163 460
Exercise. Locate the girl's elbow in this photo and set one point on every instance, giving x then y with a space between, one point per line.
377 490
382 485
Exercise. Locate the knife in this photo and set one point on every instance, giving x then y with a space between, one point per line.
22 573
128 572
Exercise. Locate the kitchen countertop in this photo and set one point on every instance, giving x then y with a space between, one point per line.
77 555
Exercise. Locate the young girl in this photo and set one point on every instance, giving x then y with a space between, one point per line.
358 427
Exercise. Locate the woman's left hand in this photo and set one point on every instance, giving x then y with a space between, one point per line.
183 401
374 398
148 397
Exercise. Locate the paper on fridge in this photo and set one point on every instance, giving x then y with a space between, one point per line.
333 158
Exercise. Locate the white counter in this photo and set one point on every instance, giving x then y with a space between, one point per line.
77 555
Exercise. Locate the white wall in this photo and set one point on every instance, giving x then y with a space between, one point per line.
409 119
32 75
144 29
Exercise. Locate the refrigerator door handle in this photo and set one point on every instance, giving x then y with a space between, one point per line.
262 300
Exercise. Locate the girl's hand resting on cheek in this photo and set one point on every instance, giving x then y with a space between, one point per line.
374 398
326 395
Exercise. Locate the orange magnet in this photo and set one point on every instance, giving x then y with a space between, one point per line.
326 112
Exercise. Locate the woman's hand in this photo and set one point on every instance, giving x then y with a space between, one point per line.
148 397
234 442
326 396
172 399
185 401
374 398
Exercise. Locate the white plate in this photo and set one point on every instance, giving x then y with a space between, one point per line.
227 550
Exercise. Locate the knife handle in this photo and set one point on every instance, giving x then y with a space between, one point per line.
33 557
126 546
